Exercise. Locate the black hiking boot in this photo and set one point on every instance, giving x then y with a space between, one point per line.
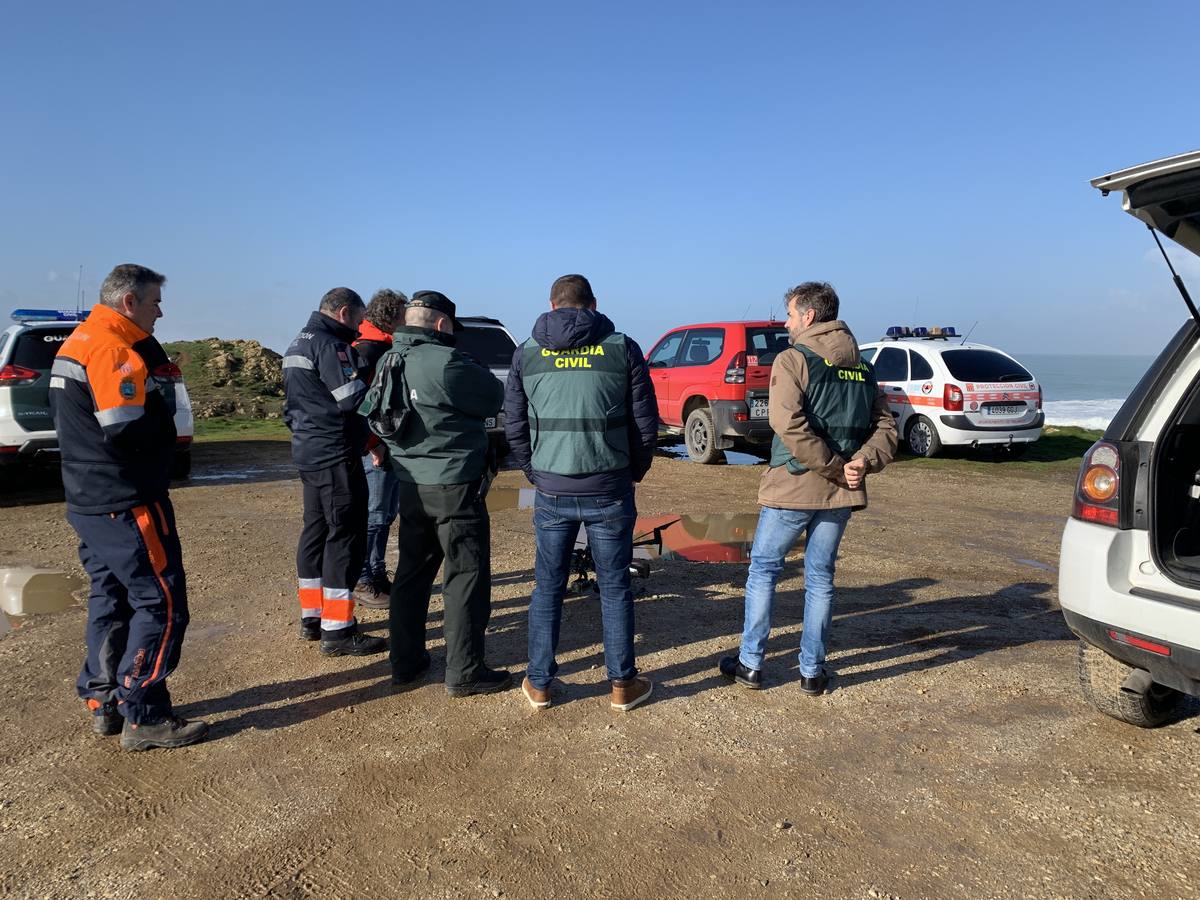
105 718
353 644
402 677
173 731
310 629
488 681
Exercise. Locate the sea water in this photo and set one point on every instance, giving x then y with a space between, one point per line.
1084 390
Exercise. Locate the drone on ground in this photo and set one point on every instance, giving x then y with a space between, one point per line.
583 566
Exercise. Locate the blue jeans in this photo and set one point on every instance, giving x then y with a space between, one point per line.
383 502
609 523
777 532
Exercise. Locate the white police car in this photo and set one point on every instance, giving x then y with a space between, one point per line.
944 391
27 351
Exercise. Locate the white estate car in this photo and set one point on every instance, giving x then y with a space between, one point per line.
1129 569
944 391
27 350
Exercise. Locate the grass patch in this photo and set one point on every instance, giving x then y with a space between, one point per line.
1059 451
236 428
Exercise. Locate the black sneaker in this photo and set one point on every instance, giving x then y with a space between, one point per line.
310 629
106 720
814 686
408 676
172 731
731 667
488 681
354 644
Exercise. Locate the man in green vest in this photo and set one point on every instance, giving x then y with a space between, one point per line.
832 427
441 397
581 421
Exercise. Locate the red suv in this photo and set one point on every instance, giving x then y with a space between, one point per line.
711 382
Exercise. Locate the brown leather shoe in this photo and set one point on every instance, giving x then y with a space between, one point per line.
629 693
538 698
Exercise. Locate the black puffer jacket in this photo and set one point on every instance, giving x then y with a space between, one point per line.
322 381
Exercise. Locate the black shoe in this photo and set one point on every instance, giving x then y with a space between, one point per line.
731 667
488 681
354 644
815 686
106 720
408 676
170 732
382 583
310 629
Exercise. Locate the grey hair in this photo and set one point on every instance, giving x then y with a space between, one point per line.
819 296
128 278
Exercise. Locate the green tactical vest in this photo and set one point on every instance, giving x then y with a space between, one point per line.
838 404
578 413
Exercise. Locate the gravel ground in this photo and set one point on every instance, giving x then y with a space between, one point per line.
954 758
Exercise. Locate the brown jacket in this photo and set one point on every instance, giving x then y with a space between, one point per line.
823 486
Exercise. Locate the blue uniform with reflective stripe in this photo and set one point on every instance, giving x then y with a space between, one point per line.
323 386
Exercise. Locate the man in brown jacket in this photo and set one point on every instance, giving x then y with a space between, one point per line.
832 427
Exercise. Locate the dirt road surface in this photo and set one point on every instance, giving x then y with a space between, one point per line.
953 759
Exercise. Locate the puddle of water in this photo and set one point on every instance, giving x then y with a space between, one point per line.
1035 564
732 457
244 474
713 537
30 591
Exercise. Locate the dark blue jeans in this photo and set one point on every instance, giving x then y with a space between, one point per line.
383 502
609 523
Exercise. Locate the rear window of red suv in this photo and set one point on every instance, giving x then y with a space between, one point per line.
763 344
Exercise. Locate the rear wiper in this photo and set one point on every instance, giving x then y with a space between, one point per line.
1183 291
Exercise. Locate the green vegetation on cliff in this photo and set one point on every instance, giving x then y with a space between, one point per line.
241 379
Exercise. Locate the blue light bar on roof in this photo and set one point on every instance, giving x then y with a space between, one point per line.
948 331
895 331
920 331
48 315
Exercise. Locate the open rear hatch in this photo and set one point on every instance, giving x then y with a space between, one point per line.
1165 195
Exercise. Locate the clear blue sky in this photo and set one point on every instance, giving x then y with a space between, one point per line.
693 160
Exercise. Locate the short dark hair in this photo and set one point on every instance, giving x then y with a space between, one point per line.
338 298
128 278
386 309
819 296
572 291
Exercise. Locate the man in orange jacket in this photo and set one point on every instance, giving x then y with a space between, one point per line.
116 434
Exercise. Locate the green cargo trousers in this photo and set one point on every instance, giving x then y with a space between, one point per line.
442 522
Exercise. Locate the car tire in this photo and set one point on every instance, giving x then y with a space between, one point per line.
700 437
1101 678
181 465
922 437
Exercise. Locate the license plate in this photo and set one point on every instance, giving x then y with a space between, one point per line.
758 409
489 422
1001 409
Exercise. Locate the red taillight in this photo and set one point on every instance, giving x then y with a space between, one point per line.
952 398
1098 490
167 370
10 449
735 372
15 376
183 440
1140 643
1039 397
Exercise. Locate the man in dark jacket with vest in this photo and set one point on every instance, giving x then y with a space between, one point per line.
323 386
582 421
440 456
385 313
832 427
116 434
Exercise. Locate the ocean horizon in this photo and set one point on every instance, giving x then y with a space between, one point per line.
1084 390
